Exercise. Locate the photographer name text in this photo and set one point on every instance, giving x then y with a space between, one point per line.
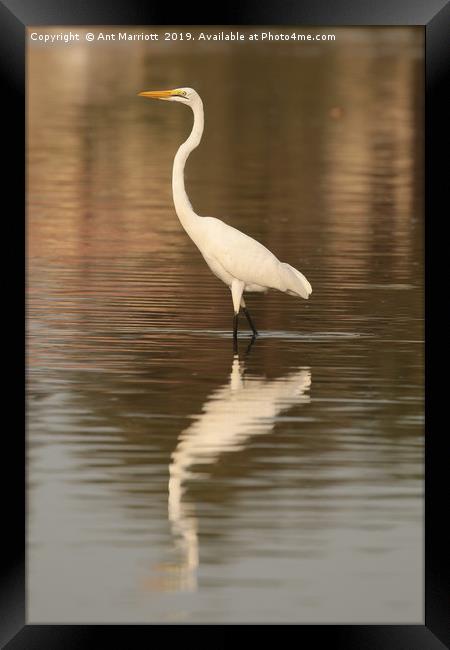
236 36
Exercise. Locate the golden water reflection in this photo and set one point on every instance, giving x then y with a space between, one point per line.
246 406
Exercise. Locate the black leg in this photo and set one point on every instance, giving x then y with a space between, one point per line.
235 329
250 345
250 322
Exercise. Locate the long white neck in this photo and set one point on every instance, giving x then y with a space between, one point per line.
183 207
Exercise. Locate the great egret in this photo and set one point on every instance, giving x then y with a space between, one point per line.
235 258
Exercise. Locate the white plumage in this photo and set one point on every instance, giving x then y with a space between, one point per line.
241 262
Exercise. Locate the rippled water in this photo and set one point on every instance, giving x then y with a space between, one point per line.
169 479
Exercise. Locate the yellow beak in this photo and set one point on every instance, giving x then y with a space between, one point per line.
158 94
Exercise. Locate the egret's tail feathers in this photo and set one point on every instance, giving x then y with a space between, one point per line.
294 282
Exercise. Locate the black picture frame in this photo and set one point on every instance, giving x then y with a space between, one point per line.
15 16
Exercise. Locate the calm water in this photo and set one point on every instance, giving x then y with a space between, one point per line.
168 479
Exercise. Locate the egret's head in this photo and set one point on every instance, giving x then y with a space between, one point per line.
183 95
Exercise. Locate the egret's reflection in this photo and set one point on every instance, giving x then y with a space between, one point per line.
245 406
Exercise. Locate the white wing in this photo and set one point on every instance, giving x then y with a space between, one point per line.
247 260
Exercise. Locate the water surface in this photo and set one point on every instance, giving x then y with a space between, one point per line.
170 480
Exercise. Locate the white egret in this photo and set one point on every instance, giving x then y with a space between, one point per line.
241 262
